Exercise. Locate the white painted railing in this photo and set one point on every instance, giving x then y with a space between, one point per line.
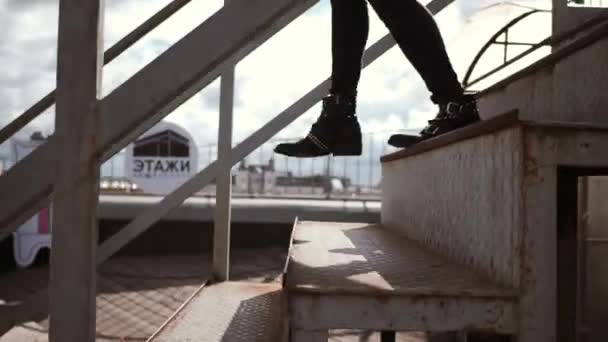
113 136
228 158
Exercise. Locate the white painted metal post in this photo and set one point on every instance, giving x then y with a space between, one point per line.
76 189
223 190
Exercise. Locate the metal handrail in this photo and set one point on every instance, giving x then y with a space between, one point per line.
494 41
116 50
237 153
553 40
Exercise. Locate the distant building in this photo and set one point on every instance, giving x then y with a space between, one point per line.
255 178
266 179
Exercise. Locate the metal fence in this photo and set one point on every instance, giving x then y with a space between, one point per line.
327 177
589 3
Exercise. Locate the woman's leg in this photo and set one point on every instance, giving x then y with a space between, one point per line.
337 130
418 36
350 29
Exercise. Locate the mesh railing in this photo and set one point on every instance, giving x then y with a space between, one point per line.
324 177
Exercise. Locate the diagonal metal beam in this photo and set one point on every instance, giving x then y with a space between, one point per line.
155 91
26 187
190 65
242 150
116 50
31 307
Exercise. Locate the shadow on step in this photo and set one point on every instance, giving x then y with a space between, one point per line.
258 319
381 261
378 261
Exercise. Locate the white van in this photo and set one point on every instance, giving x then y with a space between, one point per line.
35 234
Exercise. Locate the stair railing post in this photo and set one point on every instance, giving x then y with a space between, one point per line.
223 190
73 274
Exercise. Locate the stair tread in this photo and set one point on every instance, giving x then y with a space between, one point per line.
488 127
360 258
229 311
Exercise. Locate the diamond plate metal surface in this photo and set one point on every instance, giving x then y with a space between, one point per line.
229 312
367 259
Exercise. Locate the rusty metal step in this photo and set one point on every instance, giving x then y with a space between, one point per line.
364 276
229 311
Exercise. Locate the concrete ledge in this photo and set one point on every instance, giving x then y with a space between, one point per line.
245 210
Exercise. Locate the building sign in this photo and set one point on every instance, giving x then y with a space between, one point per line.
162 159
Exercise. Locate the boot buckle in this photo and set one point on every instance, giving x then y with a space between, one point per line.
452 109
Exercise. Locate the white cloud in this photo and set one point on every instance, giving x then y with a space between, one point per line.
392 95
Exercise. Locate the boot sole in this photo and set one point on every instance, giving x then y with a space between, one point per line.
411 140
348 150
346 154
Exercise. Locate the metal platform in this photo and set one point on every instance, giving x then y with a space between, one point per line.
229 312
502 197
361 276
362 258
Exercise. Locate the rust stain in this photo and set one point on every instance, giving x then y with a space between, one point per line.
530 162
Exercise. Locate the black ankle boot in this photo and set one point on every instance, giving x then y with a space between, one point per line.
452 115
336 132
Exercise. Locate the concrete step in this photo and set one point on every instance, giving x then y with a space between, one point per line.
363 276
500 197
567 85
229 312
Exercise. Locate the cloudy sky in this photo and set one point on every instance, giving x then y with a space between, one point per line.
392 96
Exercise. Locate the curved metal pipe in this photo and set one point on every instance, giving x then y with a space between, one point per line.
493 40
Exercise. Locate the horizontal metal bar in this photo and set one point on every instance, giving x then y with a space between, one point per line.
514 43
116 50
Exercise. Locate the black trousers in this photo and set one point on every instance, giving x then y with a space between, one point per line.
415 31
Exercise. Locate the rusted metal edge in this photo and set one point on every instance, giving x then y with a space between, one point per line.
596 34
492 125
502 294
289 250
177 312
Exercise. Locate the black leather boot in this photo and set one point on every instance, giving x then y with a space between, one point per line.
452 115
336 132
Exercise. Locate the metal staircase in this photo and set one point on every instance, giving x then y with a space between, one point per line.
500 289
